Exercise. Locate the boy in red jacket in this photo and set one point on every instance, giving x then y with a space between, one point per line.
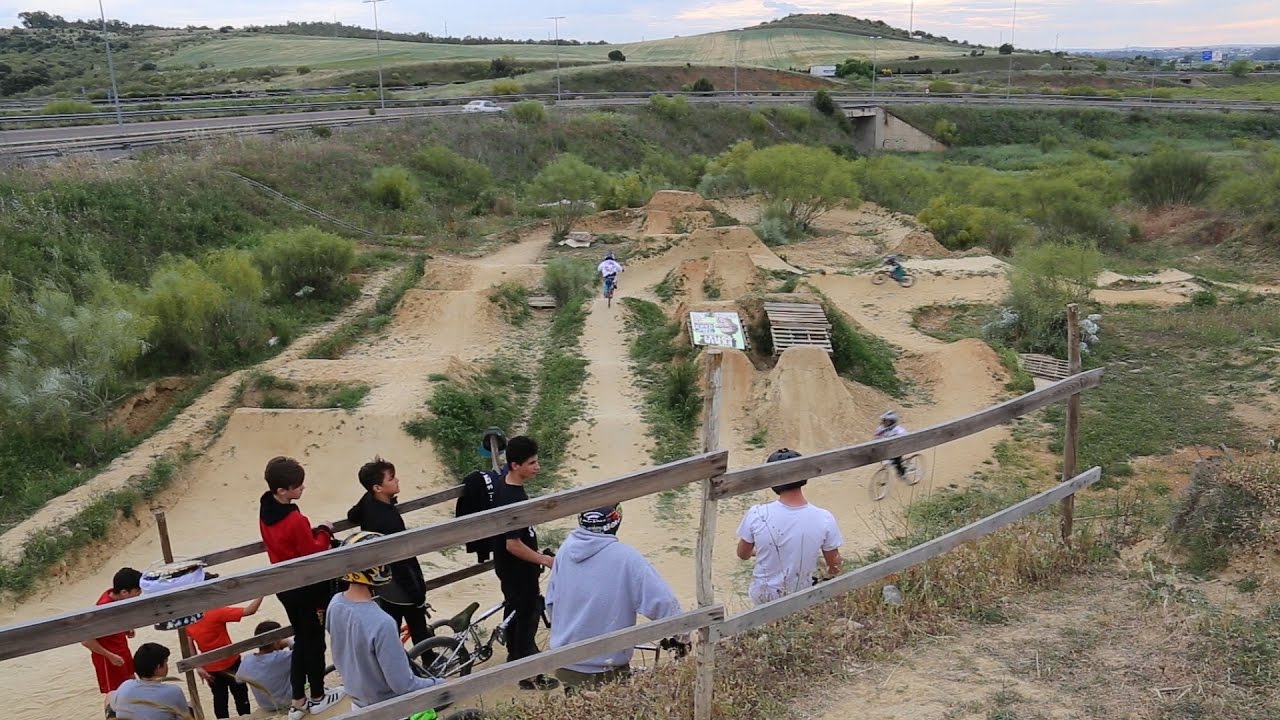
288 534
112 660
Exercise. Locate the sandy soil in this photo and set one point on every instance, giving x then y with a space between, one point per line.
446 323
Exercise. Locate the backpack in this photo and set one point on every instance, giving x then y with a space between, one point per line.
479 492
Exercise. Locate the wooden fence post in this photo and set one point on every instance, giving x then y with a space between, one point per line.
1071 442
704 686
184 642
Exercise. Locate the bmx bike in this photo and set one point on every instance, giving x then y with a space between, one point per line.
913 467
904 278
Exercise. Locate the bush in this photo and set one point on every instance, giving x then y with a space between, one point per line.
946 132
1100 149
1227 507
569 185
68 107
823 103
321 131
797 118
506 87
456 179
943 87
862 358
617 56
1171 177
529 112
393 187
1253 189
670 108
896 183
568 279
1043 280
807 181
959 227
626 190
294 260
1049 143
702 85
304 70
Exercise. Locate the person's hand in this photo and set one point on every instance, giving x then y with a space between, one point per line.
549 560
131 634
115 660
327 525
204 674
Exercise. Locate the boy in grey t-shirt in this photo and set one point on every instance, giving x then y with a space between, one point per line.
266 672
148 697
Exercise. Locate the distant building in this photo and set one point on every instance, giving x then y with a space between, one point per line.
822 70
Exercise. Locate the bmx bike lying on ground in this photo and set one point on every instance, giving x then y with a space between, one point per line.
913 471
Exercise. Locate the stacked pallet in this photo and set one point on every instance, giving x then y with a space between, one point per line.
1044 366
793 324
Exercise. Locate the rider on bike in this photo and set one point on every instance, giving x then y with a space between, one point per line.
609 269
891 428
897 272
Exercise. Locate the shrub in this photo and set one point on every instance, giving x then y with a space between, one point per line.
946 132
457 179
626 190
959 227
186 304
1049 143
943 87
529 112
321 131
759 123
304 70
823 103
393 187
807 181
1043 280
506 87
702 85
569 185
896 183
862 358
670 108
772 231
617 56
797 118
1240 68
1254 190
294 260
855 67
68 107
726 173
1100 149
568 279
1171 177
1226 508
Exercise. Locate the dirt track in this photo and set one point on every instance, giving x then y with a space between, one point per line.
448 320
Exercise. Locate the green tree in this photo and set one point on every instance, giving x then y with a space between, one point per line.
823 103
1043 280
1240 68
617 56
568 186
854 67
808 181
1006 49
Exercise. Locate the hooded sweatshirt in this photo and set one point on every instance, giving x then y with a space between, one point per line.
367 652
407 586
287 532
599 585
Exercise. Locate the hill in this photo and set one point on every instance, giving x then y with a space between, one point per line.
855 26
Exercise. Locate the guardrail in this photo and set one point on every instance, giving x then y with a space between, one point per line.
709 468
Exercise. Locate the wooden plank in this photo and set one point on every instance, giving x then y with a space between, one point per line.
749 479
541 301
250 549
32 636
465 688
287 631
1071 444
235 648
184 642
704 680
864 576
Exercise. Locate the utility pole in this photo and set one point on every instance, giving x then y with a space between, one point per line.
111 66
1013 30
911 24
737 50
557 19
377 39
875 62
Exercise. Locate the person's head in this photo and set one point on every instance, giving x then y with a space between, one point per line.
284 477
126 583
379 477
608 255
889 419
522 455
372 577
151 661
786 454
267 626
604 520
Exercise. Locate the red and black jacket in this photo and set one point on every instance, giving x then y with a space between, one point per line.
286 531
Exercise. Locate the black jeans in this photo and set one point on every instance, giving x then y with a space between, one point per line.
306 607
414 617
902 469
224 684
523 599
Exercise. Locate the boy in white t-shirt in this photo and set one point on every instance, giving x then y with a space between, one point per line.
787 536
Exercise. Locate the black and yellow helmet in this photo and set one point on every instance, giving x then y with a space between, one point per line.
374 576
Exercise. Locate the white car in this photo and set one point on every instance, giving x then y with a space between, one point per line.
481 106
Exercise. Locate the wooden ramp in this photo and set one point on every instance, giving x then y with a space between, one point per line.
1044 366
541 302
792 324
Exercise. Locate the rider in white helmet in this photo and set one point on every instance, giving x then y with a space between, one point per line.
891 428
609 269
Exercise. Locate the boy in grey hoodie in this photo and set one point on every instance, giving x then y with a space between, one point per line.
365 641
598 585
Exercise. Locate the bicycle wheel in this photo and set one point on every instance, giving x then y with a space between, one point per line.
907 281
915 468
442 657
880 483
878 277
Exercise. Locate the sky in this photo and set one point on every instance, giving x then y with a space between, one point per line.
1040 24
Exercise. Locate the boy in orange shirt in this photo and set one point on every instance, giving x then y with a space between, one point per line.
210 633
112 659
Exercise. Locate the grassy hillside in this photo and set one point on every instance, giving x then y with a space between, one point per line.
777 48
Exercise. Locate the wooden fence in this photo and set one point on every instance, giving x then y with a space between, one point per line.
709 468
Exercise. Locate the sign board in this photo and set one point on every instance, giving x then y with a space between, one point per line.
717 329
1206 55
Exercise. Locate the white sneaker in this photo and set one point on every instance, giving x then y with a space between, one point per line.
331 697
297 713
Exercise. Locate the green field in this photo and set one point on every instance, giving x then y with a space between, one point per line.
776 48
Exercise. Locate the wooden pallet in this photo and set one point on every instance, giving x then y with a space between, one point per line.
542 302
793 324
1044 366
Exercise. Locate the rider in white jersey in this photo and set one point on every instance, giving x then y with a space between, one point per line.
610 267
891 428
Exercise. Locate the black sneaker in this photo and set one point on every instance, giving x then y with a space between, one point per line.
539 682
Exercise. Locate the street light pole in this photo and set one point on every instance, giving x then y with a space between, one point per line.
737 50
111 66
1013 30
875 62
557 19
377 38
911 24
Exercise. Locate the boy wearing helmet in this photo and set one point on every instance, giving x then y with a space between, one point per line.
609 269
891 428
787 536
599 585
365 640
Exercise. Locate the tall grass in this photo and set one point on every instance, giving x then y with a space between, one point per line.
669 375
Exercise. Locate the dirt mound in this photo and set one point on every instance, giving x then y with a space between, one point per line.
611 221
675 201
733 273
920 243
805 405
675 211
969 363
737 380
142 410
438 323
1163 222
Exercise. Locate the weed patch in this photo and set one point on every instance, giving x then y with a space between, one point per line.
669 375
512 300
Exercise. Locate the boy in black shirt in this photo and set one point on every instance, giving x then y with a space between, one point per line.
518 563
